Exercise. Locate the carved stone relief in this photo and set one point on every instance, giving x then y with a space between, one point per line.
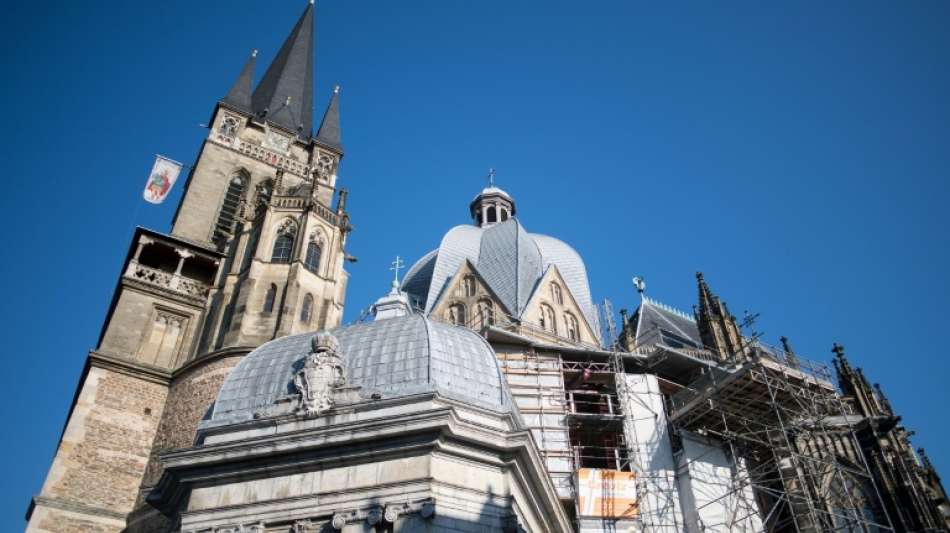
322 372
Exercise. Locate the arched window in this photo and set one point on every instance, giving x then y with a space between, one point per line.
573 331
504 214
457 314
230 207
547 319
312 261
284 243
486 313
269 297
492 214
556 293
468 285
306 309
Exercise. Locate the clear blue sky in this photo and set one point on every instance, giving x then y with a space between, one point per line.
797 154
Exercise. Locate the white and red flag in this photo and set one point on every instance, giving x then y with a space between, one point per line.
162 178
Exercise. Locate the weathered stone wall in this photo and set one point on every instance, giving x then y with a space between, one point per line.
132 321
190 396
103 453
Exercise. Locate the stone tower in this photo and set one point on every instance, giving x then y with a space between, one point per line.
256 252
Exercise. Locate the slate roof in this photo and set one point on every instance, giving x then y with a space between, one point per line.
239 96
290 74
393 357
511 260
661 324
329 133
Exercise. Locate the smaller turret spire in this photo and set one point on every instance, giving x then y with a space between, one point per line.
239 96
717 327
789 352
329 133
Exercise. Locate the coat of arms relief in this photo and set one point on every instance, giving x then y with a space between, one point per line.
323 371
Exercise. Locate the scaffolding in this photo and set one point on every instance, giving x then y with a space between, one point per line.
779 420
785 422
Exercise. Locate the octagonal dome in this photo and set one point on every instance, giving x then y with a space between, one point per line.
394 357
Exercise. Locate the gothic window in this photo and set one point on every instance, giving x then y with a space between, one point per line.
457 314
269 297
570 321
161 345
306 309
284 243
468 285
486 313
556 294
312 260
230 207
548 321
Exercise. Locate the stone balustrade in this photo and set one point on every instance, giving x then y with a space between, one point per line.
166 280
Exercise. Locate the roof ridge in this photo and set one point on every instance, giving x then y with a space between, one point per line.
668 308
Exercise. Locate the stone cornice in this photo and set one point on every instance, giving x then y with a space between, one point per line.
128 367
74 507
278 446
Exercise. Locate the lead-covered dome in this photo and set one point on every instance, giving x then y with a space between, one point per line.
390 358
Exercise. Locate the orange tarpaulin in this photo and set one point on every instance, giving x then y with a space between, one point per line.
606 493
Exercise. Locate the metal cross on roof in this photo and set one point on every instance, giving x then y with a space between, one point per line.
397 264
491 177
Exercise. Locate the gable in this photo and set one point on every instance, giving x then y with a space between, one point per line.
467 295
552 297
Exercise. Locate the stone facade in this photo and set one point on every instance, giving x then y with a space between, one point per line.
256 251
103 453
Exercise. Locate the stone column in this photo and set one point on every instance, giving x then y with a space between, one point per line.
143 241
176 278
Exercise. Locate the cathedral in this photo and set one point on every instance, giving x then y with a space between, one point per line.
485 392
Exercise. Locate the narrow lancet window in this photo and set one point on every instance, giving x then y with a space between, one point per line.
306 310
269 297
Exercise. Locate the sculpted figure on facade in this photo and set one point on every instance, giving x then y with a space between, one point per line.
322 372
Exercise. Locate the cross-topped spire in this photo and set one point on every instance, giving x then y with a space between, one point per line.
396 266
491 177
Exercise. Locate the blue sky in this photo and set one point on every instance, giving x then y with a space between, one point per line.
797 154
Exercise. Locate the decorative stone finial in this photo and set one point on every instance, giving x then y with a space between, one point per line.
838 350
254 52
336 89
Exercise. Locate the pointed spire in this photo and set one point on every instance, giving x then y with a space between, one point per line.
329 133
789 352
239 96
706 297
285 94
885 402
717 328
